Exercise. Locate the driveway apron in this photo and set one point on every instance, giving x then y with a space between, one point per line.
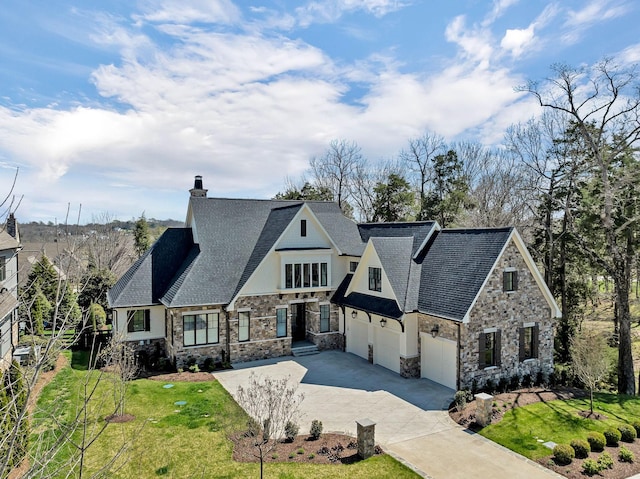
410 414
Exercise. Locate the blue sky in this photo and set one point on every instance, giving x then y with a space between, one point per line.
112 106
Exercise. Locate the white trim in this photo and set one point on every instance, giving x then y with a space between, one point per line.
282 306
529 325
243 310
490 330
203 311
434 228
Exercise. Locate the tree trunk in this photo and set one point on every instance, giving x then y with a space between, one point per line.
626 375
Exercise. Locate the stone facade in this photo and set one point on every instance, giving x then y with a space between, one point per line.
370 355
410 367
508 312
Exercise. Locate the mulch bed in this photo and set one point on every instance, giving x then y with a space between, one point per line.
185 376
328 449
507 401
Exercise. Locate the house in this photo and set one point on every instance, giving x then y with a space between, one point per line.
249 279
9 247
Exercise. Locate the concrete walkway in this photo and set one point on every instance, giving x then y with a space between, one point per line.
410 414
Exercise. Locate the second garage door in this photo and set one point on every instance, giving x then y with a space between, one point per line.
358 338
386 349
438 360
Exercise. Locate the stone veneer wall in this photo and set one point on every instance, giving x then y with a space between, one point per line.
410 367
507 312
446 329
181 354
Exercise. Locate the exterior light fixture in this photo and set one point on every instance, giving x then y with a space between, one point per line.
435 330
383 322
354 314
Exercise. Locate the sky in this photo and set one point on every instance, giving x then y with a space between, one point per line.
109 108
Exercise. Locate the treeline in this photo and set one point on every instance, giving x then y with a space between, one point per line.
568 180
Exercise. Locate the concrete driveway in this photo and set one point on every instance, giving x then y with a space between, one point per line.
410 414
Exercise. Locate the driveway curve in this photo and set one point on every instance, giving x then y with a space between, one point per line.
410 414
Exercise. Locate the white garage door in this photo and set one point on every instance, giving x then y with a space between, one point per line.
438 360
386 349
358 338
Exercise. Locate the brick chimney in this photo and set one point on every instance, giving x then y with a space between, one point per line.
198 191
12 226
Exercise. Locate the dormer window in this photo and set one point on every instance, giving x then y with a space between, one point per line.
375 279
303 227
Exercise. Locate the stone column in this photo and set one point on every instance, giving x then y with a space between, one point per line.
366 438
484 405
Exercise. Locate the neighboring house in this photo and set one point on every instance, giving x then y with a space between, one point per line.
9 247
246 279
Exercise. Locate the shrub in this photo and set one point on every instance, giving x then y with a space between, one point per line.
194 368
316 429
625 455
290 431
563 454
636 426
596 440
503 385
627 433
312 455
527 380
581 448
590 467
300 451
514 382
605 461
612 436
461 399
209 364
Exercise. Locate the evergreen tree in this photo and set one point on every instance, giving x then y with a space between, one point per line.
94 286
393 199
449 190
142 237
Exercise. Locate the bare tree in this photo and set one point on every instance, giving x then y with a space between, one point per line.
336 168
418 158
270 404
119 359
109 247
604 105
365 179
589 360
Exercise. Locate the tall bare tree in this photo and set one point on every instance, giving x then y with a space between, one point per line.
590 360
603 102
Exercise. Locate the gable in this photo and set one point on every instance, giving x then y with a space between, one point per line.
360 281
314 234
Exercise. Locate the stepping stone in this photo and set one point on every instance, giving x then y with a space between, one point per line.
550 444
168 386
180 403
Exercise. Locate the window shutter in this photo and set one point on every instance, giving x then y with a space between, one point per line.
130 321
536 334
498 359
515 280
147 320
481 351
521 334
505 281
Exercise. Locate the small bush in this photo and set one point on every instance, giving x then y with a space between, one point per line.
291 431
312 455
605 461
503 385
209 364
300 451
636 426
563 454
590 467
194 368
612 436
581 448
316 429
274 456
596 440
292 455
461 399
625 455
253 428
627 433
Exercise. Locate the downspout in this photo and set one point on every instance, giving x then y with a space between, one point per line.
344 328
458 359
228 340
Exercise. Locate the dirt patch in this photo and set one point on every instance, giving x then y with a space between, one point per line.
119 418
506 401
185 376
593 415
328 449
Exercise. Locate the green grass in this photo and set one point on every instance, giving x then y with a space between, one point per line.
166 440
558 421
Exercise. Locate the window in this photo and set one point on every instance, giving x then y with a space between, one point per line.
303 227
201 329
529 342
307 275
375 279
138 320
243 326
281 322
324 318
509 281
489 350
3 268
353 265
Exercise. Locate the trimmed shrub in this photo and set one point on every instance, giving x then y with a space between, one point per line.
636 426
590 467
612 436
563 454
290 431
627 433
581 448
461 398
316 429
625 455
596 440
605 461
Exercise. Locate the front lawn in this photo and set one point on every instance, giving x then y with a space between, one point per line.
524 429
179 431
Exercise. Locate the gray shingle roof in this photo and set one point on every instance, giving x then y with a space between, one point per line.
395 256
7 241
417 230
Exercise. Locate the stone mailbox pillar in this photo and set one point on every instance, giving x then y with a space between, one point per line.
366 438
484 405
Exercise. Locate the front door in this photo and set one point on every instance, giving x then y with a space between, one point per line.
298 322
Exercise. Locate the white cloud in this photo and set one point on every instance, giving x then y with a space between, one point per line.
191 11
328 11
499 8
593 12
476 43
516 40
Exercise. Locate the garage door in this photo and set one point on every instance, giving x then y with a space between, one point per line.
438 360
386 349
358 338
